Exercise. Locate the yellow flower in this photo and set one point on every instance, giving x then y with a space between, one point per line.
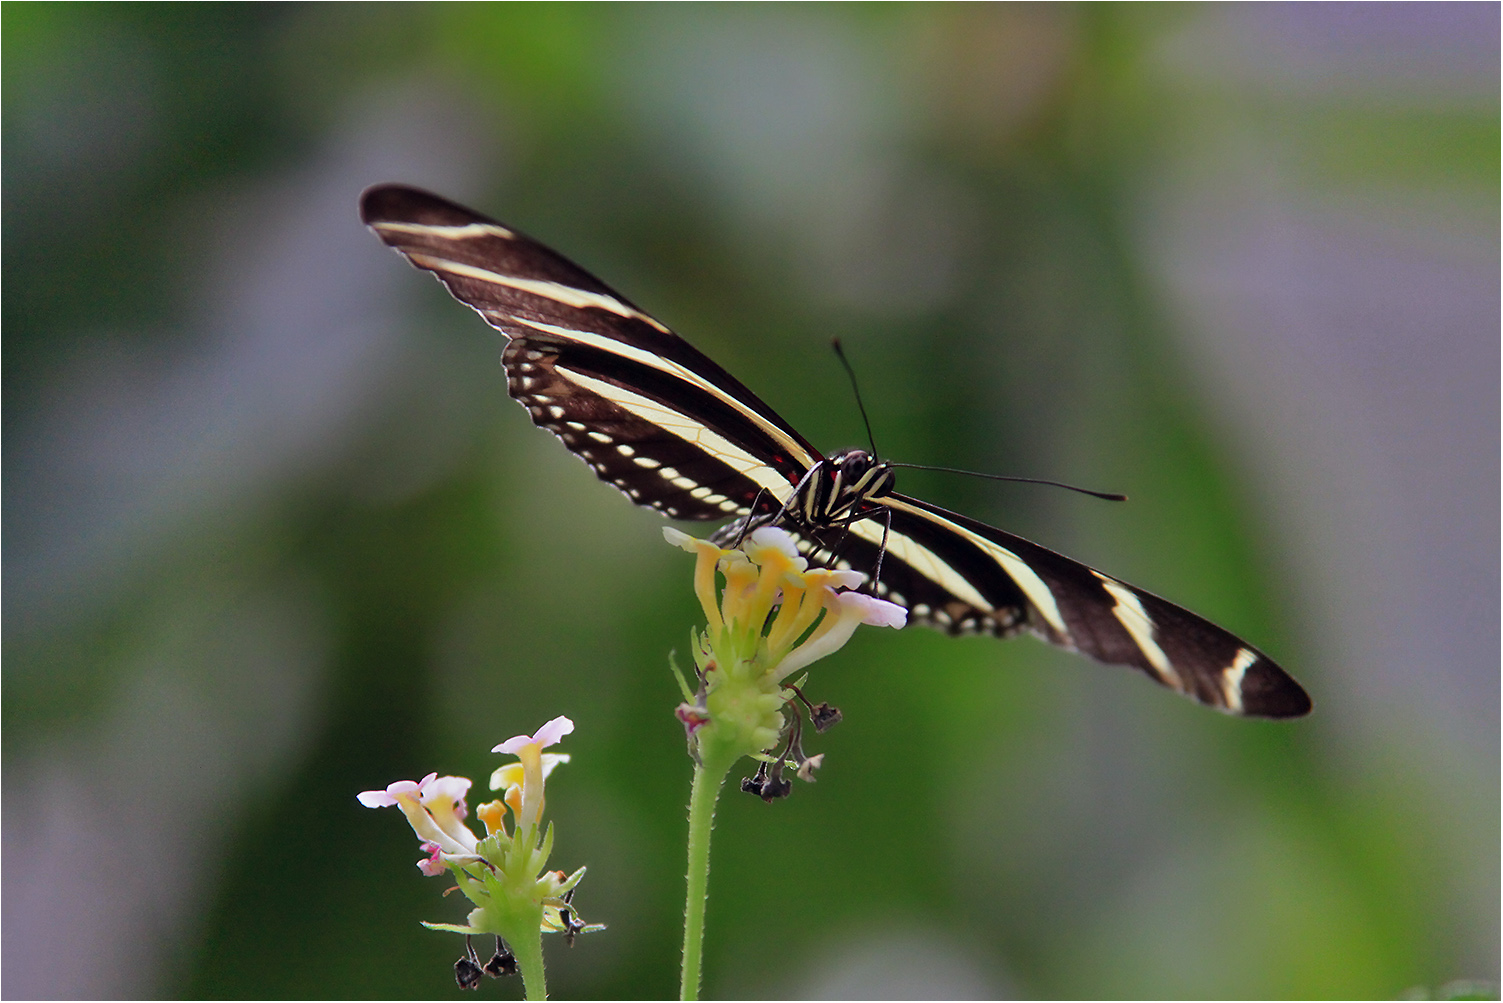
774 616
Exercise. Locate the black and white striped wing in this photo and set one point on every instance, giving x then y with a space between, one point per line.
964 576
652 415
647 411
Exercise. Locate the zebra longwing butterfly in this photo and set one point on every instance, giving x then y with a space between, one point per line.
659 420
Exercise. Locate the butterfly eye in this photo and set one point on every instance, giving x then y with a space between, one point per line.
854 464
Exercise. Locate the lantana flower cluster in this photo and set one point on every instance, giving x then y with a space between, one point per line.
502 872
774 617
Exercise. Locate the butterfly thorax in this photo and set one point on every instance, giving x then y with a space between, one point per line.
841 489
835 492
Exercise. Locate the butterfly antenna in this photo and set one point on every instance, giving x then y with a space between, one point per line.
1104 495
856 389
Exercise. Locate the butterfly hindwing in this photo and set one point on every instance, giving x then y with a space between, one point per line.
964 576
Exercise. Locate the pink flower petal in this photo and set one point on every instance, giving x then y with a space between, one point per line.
553 731
547 735
432 865
388 797
875 612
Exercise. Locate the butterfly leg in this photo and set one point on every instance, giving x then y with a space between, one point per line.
845 532
733 534
882 550
831 550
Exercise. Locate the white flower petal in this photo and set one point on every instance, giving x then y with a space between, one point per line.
680 539
445 789
836 579
773 538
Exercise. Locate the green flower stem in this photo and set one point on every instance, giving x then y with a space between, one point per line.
518 917
525 920
529 955
709 777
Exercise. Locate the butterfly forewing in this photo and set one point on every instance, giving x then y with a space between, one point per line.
643 408
652 415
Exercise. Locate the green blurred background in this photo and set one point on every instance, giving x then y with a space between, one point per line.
274 534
